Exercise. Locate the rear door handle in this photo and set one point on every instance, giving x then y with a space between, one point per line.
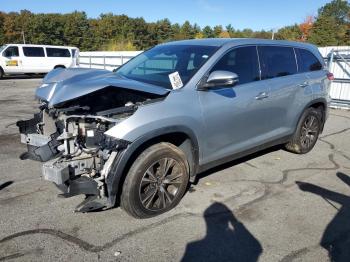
305 84
261 96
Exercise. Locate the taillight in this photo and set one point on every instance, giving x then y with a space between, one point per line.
330 76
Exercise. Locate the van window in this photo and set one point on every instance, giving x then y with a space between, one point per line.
243 61
57 52
307 62
276 61
33 51
11 51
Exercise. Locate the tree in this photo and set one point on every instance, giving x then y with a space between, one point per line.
112 32
208 32
327 32
230 30
224 34
187 31
76 29
332 24
305 27
217 30
292 33
164 30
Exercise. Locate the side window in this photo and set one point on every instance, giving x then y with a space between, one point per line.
11 51
307 62
57 52
277 61
243 61
33 51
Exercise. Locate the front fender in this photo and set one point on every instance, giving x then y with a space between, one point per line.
115 178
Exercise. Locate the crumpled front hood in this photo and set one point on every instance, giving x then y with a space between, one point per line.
62 85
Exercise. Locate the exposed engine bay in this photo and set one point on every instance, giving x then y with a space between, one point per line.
69 137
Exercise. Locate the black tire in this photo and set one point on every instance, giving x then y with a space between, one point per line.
147 190
307 132
59 66
1 73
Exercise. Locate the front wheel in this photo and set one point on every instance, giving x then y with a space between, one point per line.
156 181
307 132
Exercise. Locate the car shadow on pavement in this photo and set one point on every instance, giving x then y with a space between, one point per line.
336 238
16 77
6 184
227 239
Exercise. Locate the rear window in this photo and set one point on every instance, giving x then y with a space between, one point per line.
57 52
307 62
277 61
33 51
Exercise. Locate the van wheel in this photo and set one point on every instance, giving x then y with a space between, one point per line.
307 132
156 181
1 73
59 66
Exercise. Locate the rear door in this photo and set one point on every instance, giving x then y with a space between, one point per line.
280 73
34 60
58 57
311 66
11 60
236 118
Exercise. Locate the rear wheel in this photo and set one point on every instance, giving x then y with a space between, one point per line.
307 132
59 66
1 73
156 181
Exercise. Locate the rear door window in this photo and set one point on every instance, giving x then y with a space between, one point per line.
11 51
243 61
277 61
33 51
57 52
307 62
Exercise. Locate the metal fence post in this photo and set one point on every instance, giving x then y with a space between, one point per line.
104 61
90 61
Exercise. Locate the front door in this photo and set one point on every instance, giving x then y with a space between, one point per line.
11 62
236 118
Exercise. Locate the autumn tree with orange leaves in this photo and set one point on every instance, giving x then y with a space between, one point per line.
305 27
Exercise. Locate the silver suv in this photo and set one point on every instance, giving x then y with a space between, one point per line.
137 136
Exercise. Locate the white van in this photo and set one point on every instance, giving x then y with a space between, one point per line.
35 59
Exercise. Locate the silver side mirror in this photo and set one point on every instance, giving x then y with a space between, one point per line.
219 79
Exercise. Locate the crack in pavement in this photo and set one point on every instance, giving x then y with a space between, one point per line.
36 251
90 247
336 133
340 116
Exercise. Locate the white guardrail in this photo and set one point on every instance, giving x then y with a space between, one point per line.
105 60
337 58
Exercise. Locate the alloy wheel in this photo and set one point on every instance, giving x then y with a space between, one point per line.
160 184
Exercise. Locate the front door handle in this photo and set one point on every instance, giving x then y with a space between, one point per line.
304 84
261 96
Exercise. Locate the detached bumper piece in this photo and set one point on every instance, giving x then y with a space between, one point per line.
40 147
60 175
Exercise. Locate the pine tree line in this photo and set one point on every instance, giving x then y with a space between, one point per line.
119 32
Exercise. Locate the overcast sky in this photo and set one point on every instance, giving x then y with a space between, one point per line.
254 14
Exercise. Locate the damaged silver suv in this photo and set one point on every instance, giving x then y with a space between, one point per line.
137 136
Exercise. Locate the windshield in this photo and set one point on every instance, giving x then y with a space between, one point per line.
2 48
155 65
